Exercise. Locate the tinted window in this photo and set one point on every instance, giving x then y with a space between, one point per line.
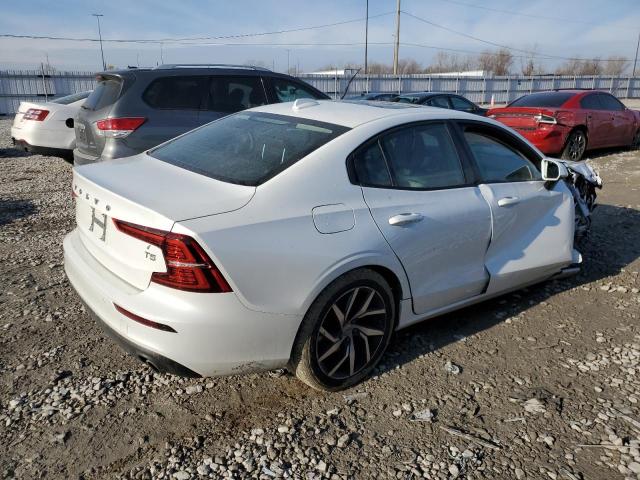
609 102
74 97
106 93
462 104
591 102
232 94
247 148
371 167
423 156
440 102
408 99
542 99
499 162
176 93
288 91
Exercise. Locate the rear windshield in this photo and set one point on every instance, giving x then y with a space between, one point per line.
74 97
247 148
106 93
542 99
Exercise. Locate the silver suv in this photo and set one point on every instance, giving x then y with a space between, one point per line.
131 111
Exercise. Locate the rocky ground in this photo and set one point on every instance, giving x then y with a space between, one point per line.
541 383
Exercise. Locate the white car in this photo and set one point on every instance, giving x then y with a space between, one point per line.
304 234
47 128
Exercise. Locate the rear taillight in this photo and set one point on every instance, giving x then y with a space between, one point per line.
188 265
540 118
118 127
35 114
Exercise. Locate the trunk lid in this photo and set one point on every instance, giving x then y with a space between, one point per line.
147 192
97 107
520 118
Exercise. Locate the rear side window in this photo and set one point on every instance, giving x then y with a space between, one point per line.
542 99
462 104
591 102
440 102
74 97
232 94
499 162
247 148
176 93
106 93
288 91
371 167
423 157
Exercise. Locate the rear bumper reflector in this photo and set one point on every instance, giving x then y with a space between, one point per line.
144 321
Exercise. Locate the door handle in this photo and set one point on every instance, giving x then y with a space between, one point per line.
506 201
405 219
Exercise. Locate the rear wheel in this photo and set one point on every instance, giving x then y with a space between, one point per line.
576 146
345 332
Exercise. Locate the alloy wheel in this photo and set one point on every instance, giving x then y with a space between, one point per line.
351 332
577 145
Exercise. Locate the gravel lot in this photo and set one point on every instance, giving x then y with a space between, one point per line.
542 383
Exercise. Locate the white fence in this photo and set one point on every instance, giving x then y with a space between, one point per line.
38 85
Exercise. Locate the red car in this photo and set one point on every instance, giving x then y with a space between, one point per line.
567 123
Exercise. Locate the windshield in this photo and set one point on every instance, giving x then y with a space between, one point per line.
74 97
542 99
247 148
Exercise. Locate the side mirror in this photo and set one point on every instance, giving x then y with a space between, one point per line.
553 170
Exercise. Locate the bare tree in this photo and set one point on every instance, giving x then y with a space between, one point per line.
499 62
445 62
615 65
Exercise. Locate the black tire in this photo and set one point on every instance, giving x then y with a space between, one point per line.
322 331
635 145
575 146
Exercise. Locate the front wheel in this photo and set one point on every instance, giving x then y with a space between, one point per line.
576 146
636 141
345 332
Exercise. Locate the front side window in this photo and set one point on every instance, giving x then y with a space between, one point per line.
233 94
499 162
423 157
440 102
247 148
462 104
288 91
611 103
176 93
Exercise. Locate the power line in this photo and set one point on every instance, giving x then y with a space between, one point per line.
190 39
506 47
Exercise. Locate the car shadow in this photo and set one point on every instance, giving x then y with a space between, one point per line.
611 246
12 210
604 152
13 152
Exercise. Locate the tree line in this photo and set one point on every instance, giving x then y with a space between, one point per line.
498 62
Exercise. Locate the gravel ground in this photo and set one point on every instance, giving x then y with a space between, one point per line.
541 383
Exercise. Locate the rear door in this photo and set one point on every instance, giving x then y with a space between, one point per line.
174 104
430 213
532 222
227 95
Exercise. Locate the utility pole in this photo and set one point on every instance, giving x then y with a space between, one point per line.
396 49
635 62
288 66
366 41
98 15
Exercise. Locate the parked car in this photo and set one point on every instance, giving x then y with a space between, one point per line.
568 123
47 127
303 234
379 96
442 100
133 110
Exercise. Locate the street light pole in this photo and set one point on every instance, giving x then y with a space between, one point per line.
366 41
635 62
98 15
288 65
396 48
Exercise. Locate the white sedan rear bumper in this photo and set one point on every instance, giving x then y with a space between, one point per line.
215 333
56 136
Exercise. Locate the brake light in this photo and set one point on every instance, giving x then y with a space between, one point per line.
540 118
118 127
35 114
188 265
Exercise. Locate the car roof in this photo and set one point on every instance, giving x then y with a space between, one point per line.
351 114
426 94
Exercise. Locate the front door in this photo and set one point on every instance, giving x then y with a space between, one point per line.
533 226
435 221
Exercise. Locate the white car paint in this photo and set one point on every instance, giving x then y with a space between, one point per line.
280 244
51 133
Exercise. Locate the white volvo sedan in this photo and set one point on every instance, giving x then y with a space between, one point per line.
302 235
